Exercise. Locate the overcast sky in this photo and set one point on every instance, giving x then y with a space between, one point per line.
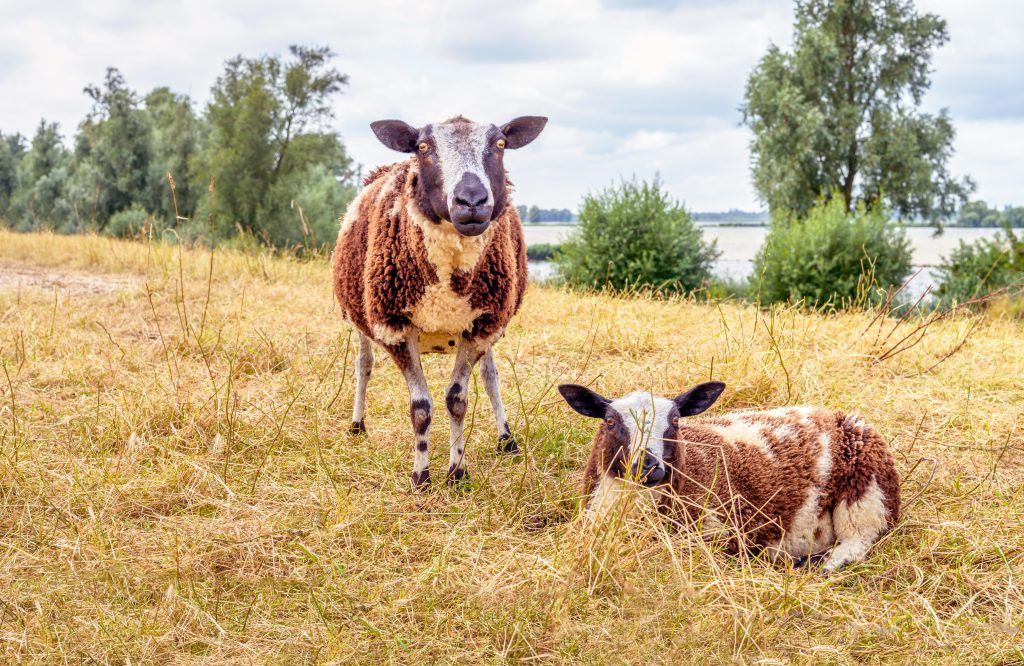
629 87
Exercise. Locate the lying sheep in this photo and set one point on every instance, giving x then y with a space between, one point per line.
430 258
793 481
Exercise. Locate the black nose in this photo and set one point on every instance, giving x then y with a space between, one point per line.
470 192
649 473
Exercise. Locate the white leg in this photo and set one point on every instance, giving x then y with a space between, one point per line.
455 400
421 409
489 375
364 367
857 526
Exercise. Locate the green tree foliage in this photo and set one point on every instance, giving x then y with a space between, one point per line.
11 151
267 141
978 268
38 201
113 153
281 175
533 217
979 214
839 114
831 256
175 142
542 251
635 235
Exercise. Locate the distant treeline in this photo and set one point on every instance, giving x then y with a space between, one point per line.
732 215
533 214
256 162
979 214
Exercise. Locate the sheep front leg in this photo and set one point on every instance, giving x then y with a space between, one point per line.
364 366
489 374
421 409
455 400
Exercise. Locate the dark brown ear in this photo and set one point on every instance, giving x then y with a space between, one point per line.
584 401
699 398
522 130
396 135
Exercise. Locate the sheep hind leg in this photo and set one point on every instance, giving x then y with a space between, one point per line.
489 373
456 401
421 408
857 525
364 367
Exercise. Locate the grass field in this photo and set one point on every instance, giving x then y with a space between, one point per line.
178 483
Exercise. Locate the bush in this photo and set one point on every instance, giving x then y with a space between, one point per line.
542 251
129 223
635 235
986 265
831 256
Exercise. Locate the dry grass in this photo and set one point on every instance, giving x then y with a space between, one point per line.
178 484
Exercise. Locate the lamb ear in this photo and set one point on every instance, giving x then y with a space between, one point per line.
522 130
396 135
584 401
699 398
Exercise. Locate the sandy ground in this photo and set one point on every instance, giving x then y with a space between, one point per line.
15 276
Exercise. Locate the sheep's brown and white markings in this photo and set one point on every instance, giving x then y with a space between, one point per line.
791 481
430 259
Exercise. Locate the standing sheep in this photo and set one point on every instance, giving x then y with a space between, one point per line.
430 259
794 481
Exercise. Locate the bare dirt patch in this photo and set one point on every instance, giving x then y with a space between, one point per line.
15 276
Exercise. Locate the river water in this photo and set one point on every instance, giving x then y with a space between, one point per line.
739 245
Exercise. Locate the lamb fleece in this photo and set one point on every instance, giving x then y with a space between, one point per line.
771 476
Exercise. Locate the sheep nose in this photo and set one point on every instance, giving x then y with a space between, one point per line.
649 472
470 192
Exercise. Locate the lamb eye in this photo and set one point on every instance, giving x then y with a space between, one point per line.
424 146
610 422
501 144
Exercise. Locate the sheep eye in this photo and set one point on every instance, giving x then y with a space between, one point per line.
424 146
501 144
610 422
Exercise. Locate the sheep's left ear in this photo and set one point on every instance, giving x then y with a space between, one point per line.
584 401
522 130
699 398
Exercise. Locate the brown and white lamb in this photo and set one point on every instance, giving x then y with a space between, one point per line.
430 259
794 481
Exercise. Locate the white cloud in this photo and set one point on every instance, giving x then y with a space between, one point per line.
630 88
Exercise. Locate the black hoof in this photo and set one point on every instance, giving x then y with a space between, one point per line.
358 428
457 476
508 444
421 480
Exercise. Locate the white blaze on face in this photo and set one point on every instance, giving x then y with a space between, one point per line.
646 418
460 150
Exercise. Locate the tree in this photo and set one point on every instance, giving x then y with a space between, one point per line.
267 134
175 140
113 153
11 151
635 235
839 113
38 201
830 255
533 215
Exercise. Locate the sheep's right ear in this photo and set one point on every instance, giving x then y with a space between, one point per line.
396 135
699 398
584 401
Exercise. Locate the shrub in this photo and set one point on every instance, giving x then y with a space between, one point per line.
542 251
129 223
831 255
635 235
986 265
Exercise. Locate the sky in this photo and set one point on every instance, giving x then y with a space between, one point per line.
630 88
